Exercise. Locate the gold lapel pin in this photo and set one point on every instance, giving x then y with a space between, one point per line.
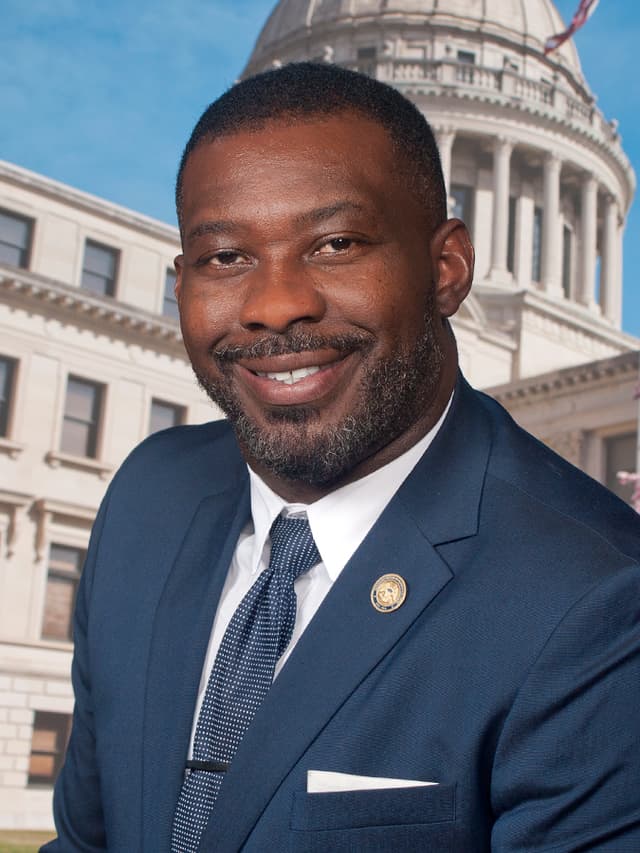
388 593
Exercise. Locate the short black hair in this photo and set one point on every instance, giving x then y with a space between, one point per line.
303 90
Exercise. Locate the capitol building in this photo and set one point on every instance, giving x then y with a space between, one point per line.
91 358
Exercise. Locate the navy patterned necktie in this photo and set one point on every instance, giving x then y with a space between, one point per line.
256 637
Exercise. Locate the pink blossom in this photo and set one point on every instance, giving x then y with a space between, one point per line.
627 478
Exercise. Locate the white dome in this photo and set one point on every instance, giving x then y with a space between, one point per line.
522 23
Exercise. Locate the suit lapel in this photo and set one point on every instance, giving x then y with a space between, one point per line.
438 503
312 686
181 633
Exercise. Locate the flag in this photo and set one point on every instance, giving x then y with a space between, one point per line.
584 12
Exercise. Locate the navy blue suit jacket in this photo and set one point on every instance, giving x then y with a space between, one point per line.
510 676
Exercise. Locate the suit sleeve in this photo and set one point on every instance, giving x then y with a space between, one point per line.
77 805
566 774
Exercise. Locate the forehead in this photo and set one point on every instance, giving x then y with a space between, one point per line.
285 164
347 148
344 128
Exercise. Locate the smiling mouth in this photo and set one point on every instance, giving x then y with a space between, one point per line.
295 379
294 369
290 377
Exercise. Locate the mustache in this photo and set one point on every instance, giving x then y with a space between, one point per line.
270 345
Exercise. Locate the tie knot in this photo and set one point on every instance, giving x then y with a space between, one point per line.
293 549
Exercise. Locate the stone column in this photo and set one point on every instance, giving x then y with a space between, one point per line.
588 241
551 255
620 254
444 138
502 149
524 235
610 284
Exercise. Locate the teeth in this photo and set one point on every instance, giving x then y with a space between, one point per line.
290 377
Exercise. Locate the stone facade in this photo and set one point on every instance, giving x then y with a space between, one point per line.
56 327
91 358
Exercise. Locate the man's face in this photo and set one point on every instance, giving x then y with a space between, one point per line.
306 296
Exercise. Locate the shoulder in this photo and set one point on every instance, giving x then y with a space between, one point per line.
155 494
205 438
192 458
547 541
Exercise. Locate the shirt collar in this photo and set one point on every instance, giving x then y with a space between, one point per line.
340 520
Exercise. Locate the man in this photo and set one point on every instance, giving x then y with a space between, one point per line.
460 668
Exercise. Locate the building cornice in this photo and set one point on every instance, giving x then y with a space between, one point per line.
556 383
484 333
88 203
566 312
116 319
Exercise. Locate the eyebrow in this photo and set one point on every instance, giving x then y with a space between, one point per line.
319 214
310 217
220 226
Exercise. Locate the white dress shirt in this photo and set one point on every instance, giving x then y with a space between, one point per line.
339 523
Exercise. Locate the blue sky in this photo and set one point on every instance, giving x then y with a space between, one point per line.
104 102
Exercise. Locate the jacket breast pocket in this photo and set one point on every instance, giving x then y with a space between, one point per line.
387 821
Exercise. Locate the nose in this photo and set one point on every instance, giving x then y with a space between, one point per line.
279 295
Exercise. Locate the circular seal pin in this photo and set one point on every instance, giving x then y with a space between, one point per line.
388 593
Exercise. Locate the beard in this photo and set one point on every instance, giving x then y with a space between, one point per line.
295 445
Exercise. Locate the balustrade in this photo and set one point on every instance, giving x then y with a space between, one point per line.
516 88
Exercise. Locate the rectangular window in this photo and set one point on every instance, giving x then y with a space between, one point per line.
63 576
466 61
462 204
511 235
81 417
164 415
48 745
566 261
536 254
620 453
7 373
99 268
15 239
367 61
170 303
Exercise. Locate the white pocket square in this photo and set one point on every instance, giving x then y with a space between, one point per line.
327 782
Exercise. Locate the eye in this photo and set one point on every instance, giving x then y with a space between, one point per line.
227 258
335 245
223 259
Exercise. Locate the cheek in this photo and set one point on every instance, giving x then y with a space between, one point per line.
392 300
364 295
205 318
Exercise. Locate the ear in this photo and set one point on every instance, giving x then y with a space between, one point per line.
453 257
178 263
